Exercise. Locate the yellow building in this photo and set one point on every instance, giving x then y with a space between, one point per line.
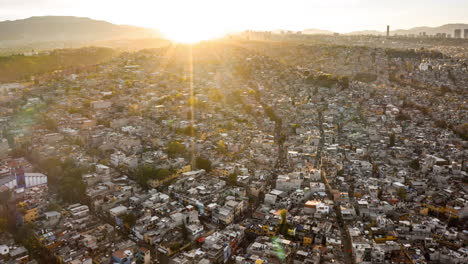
31 215
307 241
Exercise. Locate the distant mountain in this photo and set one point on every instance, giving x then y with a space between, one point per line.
448 29
314 31
366 32
67 28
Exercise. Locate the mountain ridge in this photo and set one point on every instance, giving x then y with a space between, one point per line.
67 28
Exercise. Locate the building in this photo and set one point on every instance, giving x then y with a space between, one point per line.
30 180
457 33
100 104
465 33
31 215
129 256
117 211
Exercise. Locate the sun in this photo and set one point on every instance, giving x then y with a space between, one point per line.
191 34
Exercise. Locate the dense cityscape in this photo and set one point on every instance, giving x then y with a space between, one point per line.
255 148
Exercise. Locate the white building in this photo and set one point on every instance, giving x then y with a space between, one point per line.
100 104
31 178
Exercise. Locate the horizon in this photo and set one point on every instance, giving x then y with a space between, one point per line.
209 19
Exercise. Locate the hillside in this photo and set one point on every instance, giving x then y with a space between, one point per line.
19 67
314 31
66 29
448 29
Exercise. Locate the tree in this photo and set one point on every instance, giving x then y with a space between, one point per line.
71 187
441 124
185 233
221 147
232 179
401 192
202 163
283 215
175 148
414 164
144 173
52 167
129 220
3 224
283 228
392 140
53 207
189 131
4 197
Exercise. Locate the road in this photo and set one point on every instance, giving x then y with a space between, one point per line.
345 237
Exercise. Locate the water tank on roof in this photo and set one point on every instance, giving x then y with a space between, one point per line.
128 253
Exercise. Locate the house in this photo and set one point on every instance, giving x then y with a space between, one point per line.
117 211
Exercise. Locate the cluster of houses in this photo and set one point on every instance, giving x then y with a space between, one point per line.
260 165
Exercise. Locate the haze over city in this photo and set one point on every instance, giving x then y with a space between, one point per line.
212 18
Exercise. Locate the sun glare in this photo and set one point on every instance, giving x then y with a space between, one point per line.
190 35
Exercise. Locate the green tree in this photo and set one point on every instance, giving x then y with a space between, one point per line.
202 163
185 232
144 173
401 192
4 197
52 167
175 149
392 140
221 147
129 220
283 226
232 179
3 224
71 187
54 207
414 164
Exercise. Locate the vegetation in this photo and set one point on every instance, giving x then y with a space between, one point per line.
413 54
232 179
144 173
441 124
202 163
283 226
392 140
401 192
402 116
462 131
221 147
328 80
129 220
414 164
175 149
365 77
4 197
49 123
71 188
19 67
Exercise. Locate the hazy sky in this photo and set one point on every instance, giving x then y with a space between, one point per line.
220 16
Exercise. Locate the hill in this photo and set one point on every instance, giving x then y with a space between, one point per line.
447 28
314 31
19 67
66 29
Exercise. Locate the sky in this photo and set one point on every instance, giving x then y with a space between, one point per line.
213 17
